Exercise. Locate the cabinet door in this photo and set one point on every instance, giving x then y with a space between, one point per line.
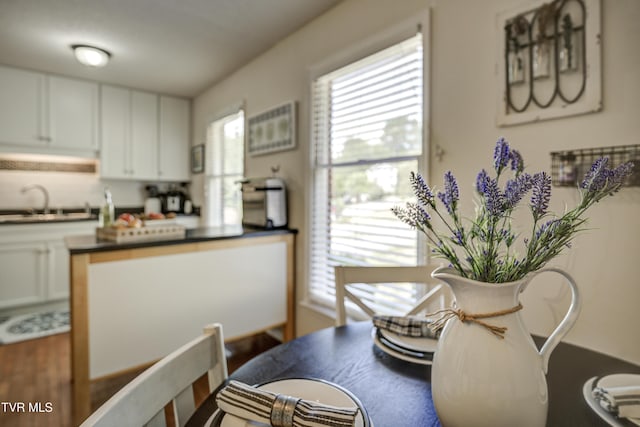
174 139
144 135
23 273
58 280
114 134
73 113
21 102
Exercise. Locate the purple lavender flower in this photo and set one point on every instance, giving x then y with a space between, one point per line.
596 178
619 174
517 163
488 188
413 215
541 184
421 189
451 195
603 180
482 181
515 189
493 198
421 214
501 155
486 245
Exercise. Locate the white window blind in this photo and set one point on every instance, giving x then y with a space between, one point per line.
225 167
367 137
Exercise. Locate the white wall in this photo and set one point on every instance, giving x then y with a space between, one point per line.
602 260
463 91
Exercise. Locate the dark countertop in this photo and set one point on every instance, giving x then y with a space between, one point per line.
89 243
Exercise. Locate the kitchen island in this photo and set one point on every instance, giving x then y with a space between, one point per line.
133 303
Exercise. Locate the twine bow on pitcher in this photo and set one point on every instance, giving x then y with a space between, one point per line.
451 312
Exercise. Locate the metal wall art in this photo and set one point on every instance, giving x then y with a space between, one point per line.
273 130
549 61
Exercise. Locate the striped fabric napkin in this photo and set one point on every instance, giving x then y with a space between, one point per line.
623 401
411 326
250 403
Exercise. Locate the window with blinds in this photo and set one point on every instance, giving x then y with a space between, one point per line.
225 167
367 137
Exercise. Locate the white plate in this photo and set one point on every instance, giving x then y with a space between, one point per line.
399 353
420 344
307 389
617 380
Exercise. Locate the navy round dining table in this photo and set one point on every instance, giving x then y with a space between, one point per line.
397 393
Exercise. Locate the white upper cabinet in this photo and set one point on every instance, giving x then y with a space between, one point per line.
47 114
140 135
174 145
73 113
144 135
21 107
129 134
114 132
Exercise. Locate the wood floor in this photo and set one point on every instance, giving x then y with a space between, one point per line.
38 373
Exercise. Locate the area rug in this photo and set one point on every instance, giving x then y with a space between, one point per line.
33 325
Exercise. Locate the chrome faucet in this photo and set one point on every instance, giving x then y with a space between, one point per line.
44 191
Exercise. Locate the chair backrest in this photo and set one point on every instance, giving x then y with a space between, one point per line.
434 295
169 381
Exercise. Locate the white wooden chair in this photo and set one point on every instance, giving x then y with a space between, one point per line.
435 295
142 401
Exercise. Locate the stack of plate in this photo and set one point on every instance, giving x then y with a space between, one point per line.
615 380
411 349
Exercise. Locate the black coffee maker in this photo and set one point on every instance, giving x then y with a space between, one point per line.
174 200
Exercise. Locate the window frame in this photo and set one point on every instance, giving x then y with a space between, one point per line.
209 164
391 36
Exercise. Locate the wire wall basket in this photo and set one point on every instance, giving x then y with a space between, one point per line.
569 167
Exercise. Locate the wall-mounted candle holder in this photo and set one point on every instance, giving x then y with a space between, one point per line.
568 54
549 37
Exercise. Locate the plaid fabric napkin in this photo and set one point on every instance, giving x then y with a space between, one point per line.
251 403
411 326
623 401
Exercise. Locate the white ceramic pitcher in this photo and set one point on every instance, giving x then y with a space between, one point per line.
479 379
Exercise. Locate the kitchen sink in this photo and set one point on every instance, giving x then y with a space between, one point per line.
51 217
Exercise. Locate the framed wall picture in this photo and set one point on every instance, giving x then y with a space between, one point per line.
197 159
548 61
273 130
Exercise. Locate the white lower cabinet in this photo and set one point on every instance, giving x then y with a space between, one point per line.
58 269
34 262
23 267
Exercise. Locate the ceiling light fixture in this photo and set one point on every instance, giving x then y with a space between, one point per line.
91 56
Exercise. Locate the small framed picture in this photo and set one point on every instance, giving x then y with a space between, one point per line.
197 159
